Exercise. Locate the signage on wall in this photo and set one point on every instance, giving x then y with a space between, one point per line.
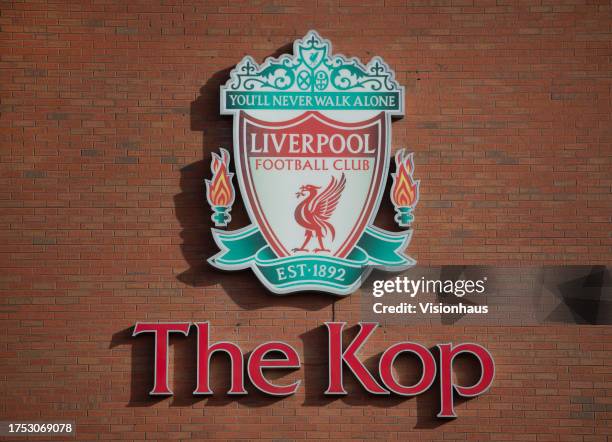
312 146
278 355
311 151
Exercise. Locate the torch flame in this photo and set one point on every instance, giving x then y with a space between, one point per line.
404 192
219 190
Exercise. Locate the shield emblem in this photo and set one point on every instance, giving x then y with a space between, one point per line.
312 183
311 155
313 56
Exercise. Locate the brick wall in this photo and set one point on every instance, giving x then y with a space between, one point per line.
109 115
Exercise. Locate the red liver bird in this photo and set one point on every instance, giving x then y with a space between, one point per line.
314 211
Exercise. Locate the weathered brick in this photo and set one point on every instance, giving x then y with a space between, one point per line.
508 112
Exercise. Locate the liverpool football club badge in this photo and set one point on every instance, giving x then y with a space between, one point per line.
311 154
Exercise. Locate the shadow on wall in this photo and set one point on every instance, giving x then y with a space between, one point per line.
182 373
193 212
314 375
407 371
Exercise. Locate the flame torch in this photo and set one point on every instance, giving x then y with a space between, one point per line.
219 190
404 191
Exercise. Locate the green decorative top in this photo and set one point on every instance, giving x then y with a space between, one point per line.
312 78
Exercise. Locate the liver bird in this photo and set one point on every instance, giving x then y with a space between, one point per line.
315 210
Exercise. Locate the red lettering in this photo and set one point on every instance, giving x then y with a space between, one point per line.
288 358
386 368
337 357
447 386
162 333
257 363
205 351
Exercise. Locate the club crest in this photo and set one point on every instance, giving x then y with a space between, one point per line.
311 154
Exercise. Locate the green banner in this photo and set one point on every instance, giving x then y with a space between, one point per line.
247 247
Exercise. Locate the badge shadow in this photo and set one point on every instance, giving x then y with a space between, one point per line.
194 214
